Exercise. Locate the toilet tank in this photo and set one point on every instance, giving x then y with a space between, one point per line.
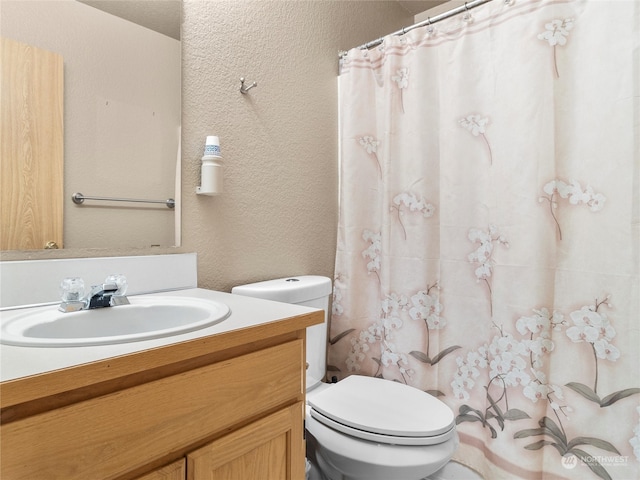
310 291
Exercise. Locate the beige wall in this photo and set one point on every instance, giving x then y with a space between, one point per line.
278 215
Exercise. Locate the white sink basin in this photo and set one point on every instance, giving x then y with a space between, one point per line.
145 318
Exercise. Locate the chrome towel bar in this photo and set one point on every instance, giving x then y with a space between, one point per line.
79 199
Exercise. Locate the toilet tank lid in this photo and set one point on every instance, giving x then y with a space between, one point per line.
298 289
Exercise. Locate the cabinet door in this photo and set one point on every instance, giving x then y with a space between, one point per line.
174 471
271 448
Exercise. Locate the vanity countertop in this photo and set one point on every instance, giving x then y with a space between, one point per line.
28 373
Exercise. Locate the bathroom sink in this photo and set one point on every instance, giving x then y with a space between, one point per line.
145 318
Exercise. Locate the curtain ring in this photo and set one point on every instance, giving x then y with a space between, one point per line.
430 28
467 15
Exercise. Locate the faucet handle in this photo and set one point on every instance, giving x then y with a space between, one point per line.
72 289
120 281
72 293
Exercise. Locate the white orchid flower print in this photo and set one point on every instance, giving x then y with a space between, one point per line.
373 251
510 363
476 125
427 308
468 370
370 144
538 330
482 255
512 367
506 359
584 333
539 389
381 333
573 192
591 325
536 391
540 323
556 33
414 203
361 345
605 350
402 80
594 327
377 342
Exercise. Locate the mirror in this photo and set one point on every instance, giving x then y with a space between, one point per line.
121 114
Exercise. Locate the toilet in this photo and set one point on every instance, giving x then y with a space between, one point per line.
361 427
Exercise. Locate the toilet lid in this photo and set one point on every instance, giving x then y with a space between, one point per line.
383 411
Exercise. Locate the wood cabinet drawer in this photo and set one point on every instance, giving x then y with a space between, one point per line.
107 436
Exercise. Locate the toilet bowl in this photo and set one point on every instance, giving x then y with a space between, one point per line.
362 428
375 429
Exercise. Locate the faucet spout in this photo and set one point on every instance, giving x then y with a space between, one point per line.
104 296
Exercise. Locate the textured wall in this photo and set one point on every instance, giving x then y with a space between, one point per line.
278 215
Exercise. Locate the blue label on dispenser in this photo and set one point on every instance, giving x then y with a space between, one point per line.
212 150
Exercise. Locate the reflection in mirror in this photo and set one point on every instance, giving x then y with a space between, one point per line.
120 103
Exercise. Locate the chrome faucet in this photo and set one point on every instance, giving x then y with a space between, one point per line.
108 294
105 296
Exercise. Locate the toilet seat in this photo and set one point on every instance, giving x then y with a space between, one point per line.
383 411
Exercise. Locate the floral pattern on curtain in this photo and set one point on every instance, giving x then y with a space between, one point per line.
488 244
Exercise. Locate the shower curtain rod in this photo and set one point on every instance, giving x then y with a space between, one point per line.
449 13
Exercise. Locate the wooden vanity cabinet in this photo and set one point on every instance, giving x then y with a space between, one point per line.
263 450
260 451
175 471
228 407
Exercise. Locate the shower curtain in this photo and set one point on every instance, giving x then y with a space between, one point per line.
488 242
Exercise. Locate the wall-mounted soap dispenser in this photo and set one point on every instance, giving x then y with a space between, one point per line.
211 177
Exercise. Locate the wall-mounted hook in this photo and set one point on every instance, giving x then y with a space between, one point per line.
244 89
